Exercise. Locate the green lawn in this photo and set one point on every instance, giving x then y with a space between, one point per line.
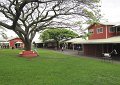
53 68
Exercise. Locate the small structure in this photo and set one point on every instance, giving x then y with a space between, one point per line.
38 43
15 42
73 45
4 43
50 43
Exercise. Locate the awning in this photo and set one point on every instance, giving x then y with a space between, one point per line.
19 42
50 40
100 41
75 40
4 42
38 41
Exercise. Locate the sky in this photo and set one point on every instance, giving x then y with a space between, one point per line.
110 10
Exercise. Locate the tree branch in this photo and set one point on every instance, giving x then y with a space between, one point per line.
5 25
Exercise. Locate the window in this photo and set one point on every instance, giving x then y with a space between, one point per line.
99 30
112 29
118 29
91 31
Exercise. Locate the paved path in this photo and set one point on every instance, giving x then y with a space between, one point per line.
71 52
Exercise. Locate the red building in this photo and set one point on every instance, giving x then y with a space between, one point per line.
16 43
103 31
103 39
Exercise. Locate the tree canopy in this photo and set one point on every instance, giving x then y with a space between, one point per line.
26 17
57 34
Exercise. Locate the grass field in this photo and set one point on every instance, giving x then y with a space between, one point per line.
53 68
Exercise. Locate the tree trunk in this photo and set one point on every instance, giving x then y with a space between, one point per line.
27 44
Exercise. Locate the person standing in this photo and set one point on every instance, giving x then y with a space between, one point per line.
78 49
62 48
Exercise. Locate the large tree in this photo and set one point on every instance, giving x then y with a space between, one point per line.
26 17
58 34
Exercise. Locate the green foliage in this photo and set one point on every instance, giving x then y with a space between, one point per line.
57 34
45 36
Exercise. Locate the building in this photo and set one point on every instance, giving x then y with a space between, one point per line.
103 31
38 43
4 43
15 42
71 44
103 39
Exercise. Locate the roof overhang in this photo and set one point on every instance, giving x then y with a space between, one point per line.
4 42
100 41
19 42
75 40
